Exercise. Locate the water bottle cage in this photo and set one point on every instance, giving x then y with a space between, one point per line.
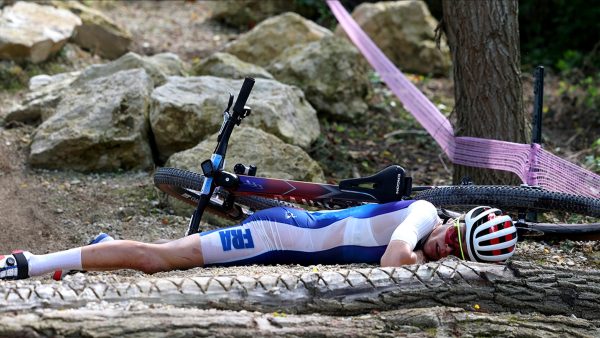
241 169
226 180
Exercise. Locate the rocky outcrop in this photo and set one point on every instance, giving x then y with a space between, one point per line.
158 66
45 94
187 110
33 32
245 14
248 145
98 127
330 71
97 33
229 66
271 37
404 31
47 91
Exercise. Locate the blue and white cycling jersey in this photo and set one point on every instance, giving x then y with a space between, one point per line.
291 236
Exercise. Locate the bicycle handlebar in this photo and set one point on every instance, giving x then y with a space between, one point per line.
238 108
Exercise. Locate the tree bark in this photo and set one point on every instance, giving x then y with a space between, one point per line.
484 42
517 287
137 321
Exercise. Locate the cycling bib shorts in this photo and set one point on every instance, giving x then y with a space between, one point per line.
284 235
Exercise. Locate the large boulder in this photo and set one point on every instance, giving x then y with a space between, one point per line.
158 66
330 71
33 32
97 32
41 101
102 126
249 145
404 31
229 66
186 110
246 14
271 37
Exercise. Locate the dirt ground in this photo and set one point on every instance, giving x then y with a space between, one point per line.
43 211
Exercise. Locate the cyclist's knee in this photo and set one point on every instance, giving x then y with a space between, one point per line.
149 258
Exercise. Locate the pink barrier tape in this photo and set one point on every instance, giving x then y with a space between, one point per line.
530 163
411 97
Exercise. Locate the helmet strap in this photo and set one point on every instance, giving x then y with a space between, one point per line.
457 224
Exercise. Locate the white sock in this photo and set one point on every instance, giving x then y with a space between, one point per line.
61 260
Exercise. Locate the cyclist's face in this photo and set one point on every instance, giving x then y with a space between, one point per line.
443 242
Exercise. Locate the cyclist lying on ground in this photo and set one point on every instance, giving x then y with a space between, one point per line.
393 234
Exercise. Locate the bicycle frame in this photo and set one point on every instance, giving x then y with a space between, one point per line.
313 194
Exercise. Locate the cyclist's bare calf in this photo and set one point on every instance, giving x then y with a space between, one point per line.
183 253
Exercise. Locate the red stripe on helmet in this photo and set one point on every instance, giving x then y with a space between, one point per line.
494 240
509 237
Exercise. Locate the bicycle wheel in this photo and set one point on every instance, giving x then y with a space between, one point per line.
521 199
512 198
185 185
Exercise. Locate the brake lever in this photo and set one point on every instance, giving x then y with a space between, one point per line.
226 117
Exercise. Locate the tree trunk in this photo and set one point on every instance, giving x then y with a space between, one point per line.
484 41
136 321
517 287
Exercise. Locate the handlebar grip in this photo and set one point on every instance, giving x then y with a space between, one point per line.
243 95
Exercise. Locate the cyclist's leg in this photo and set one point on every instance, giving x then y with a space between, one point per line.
183 253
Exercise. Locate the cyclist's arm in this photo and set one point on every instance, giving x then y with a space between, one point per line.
417 225
401 253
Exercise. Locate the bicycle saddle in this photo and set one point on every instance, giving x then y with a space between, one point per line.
389 184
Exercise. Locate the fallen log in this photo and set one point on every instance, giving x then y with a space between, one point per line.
517 287
143 321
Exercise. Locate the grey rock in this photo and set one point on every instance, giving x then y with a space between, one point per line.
229 66
330 71
404 31
102 126
158 66
33 32
249 145
186 110
97 32
40 103
272 36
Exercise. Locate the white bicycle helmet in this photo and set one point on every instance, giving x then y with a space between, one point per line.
490 235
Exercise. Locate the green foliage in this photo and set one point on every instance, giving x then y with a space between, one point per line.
570 59
592 161
324 16
561 33
12 76
15 76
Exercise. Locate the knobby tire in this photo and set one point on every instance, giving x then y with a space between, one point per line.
513 198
